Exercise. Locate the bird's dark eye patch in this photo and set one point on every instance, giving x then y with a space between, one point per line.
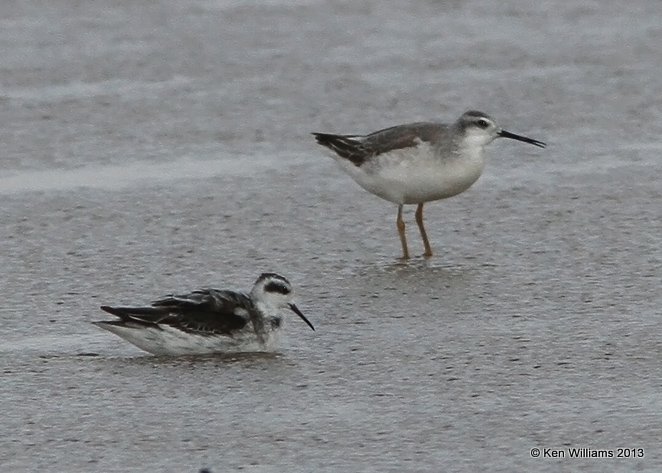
277 287
482 123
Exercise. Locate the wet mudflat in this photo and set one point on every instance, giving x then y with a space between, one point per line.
150 148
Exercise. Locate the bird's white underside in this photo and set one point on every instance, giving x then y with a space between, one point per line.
167 340
415 175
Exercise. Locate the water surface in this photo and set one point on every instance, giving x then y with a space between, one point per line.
161 146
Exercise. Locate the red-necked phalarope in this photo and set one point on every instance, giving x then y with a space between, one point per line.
418 162
208 320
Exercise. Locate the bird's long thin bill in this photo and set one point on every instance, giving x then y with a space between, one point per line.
296 310
513 136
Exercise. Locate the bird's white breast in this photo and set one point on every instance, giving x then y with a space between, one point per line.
420 174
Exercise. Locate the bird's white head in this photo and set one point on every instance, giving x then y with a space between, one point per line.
479 129
275 291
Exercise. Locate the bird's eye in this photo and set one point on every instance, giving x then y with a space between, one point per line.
277 287
482 123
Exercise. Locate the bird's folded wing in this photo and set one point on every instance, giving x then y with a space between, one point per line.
206 311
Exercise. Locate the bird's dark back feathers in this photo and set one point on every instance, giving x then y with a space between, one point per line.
205 311
360 148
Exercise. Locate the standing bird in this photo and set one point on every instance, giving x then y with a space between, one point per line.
418 162
208 320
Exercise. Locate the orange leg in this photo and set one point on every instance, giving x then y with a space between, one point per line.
401 230
424 235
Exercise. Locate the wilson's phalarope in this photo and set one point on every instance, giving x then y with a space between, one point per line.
418 162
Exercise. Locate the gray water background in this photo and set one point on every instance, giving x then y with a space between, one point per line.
150 147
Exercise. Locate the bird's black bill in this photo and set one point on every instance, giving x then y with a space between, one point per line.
296 310
513 136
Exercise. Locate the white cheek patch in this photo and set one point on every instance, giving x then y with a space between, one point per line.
477 138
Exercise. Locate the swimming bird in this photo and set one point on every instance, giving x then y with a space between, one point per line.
208 320
418 162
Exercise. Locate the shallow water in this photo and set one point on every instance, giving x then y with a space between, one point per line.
158 147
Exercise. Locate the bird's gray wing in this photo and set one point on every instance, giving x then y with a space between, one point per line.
360 148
